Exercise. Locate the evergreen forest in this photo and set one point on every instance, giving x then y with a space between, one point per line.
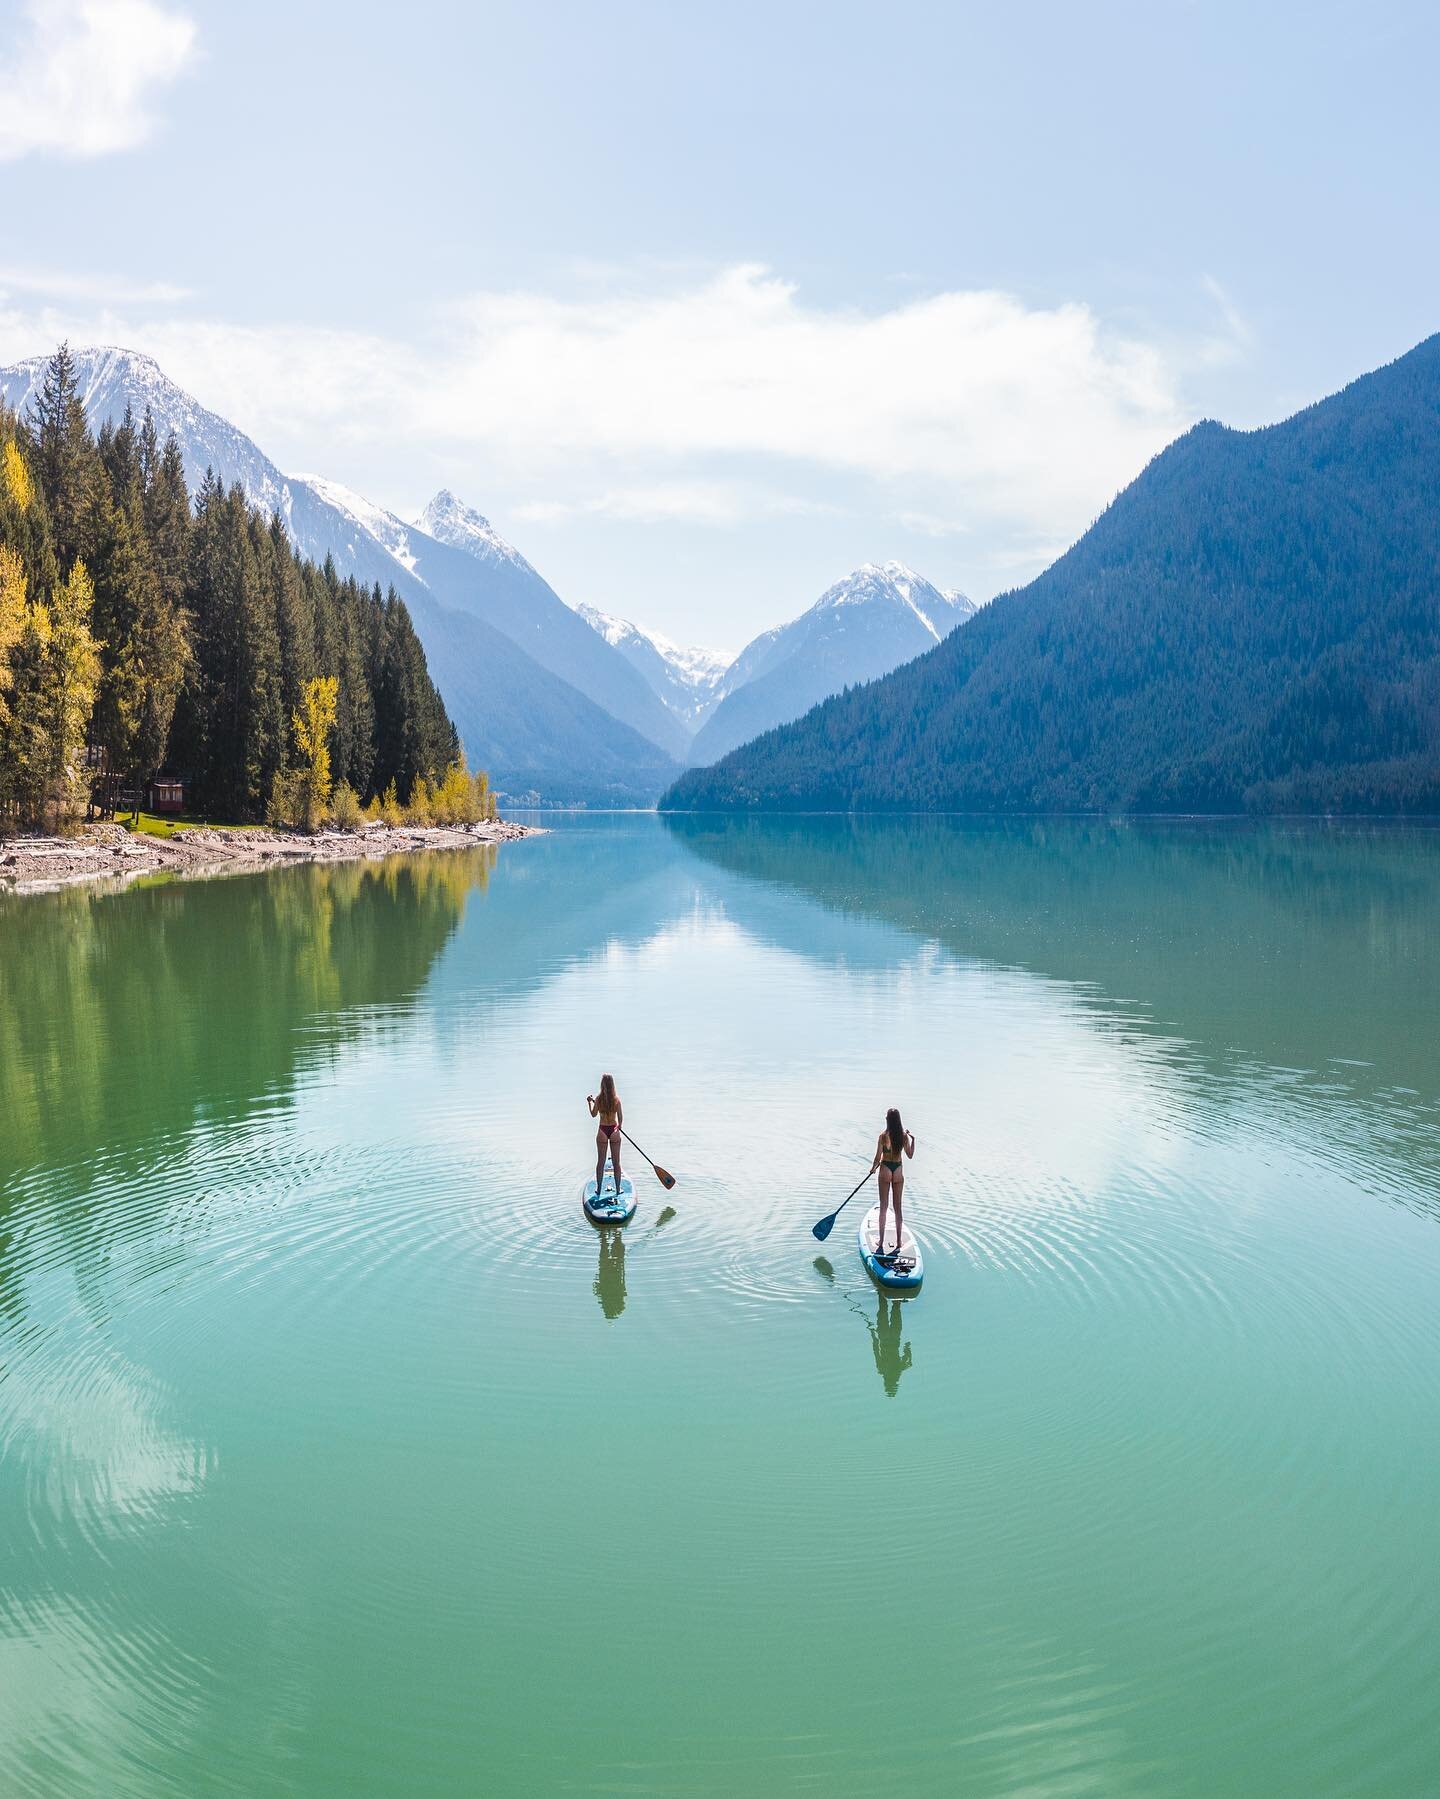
141 627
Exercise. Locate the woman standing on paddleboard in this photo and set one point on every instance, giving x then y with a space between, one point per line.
892 1146
605 1105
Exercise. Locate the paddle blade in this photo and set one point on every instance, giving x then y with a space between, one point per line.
667 1180
822 1230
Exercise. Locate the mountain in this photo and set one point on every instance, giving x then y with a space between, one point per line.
516 716
690 681
112 379
509 594
1252 625
880 616
539 737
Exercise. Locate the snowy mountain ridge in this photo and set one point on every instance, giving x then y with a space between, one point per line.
112 379
390 532
889 582
448 520
686 679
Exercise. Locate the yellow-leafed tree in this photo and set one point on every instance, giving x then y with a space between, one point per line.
313 724
16 476
301 795
52 671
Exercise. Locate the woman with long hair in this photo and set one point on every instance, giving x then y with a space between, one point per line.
605 1106
891 1147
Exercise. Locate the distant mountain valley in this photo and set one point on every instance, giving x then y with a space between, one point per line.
561 704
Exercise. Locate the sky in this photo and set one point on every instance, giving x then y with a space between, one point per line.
703 306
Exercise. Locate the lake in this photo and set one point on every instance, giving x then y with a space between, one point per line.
339 1453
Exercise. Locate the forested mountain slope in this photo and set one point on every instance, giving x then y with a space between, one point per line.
1252 625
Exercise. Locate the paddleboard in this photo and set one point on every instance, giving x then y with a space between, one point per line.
608 1208
900 1273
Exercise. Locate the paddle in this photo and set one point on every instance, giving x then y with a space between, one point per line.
822 1230
667 1180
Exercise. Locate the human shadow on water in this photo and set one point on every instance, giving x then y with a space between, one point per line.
610 1277
891 1359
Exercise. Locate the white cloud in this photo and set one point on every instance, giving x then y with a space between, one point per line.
671 502
79 75
926 524
102 290
1029 413
711 400
690 502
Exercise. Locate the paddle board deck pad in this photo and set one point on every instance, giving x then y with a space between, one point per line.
609 1207
901 1273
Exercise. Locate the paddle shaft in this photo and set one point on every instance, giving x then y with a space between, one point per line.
633 1144
829 1222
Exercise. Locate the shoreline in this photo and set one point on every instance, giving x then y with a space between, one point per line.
109 853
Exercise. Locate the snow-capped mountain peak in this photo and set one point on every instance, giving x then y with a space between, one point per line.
110 379
895 584
880 615
450 521
687 678
694 658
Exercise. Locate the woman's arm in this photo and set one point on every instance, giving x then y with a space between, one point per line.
619 1110
590 1101
910 1144
879 1152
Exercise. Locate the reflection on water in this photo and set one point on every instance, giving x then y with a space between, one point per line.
891 1360
309 1421
126 1016
1268 936
610 1276
892 1357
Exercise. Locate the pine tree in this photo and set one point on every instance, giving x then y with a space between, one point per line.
123 585
238 659
65 457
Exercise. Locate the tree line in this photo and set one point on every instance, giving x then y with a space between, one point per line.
139 629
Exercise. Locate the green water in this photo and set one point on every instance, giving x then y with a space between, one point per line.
340 1454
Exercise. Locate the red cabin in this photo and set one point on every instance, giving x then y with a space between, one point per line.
167 792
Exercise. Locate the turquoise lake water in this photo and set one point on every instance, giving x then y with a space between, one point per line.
340 1454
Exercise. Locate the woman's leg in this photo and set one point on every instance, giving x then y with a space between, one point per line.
897 1192
884 1204
615 1159
602 1143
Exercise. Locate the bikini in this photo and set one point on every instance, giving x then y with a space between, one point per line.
885 1162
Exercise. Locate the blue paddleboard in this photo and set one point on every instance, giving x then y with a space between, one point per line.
900 1273
609 1208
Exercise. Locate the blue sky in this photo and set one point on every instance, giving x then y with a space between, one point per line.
705 305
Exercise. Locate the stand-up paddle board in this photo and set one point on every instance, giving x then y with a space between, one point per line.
608 1207
900 1272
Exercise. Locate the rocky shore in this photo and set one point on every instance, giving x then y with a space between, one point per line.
111 853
